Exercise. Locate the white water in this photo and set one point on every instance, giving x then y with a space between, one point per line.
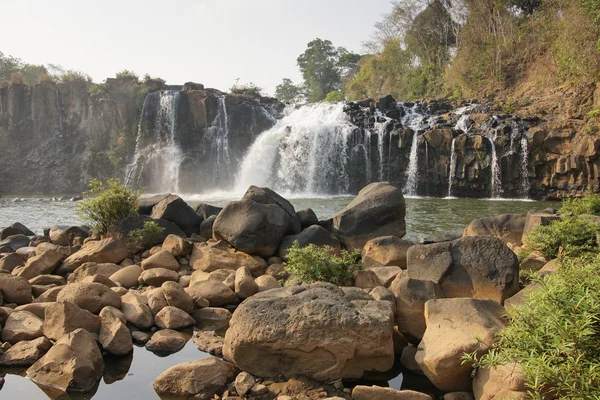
413 167
305 152
452 172
525 187
218 137
157 152
381 130
496 173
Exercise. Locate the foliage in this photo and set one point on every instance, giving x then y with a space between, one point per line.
148 78
555 334
319 263
16 71
288 92
246 90
333 97
570 236
107 204
127 74
588 205
148 235
74 76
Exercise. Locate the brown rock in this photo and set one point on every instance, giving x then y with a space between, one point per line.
208 342
89 296
137 311
25 352
91 269
213 255
266 282
22 325
501 382
176 296
109 250
45 263
217 293
380 393
115 337
166 341
507 227
15 289
411 296
385 251
177 246
158 276
211 318
127 276
64 317
162 259
244 283
173 318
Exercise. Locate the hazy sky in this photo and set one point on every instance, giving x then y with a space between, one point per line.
208 41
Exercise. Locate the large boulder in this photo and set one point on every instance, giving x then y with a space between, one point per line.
22 325
74 363
64 235
268 196
252 227
317 333
535 219
456 327
505 381
384 393
200 379
147 203
177 245
114 336
63 317
378 210
175 210
15 289
216 292
214 255
411 296
162 259
109 250
206 210
127 276
89 296
44 263
314 234
474 266
91 269
15 242
158 276
385 251
10 261
25 352
136 309
507 227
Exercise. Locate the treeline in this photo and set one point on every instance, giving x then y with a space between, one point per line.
459 48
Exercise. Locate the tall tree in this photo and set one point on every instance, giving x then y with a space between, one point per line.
288 92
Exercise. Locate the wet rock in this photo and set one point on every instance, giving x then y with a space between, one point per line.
74 363
64 317
201 379
162 259
166 341
310 320
173 318
22 325
25 352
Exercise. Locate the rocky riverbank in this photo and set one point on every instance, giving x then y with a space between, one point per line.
70 299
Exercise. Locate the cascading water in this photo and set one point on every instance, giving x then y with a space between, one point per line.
305 152
525 187
218 138
496 173
452 172
157 155
416 120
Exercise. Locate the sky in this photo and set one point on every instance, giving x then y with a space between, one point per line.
213 42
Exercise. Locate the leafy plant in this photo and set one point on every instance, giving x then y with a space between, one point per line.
74 76
555 334
127 74
319 263
246 90
107 204
333 97
588 205
148 235
572 235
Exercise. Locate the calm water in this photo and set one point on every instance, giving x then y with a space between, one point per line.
131 377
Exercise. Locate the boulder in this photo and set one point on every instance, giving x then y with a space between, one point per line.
533 219
166 341
177 246
252 227
156 300
244 283
15 289
456 327
10 231
109 250
137 311
317 332
213 255
474 266
314 234
211 318
385 251
206 227
243 383
64 235
387 275
307 218
176 296
37 309
216 292
162 259
89 296
115 337
268 196
15 242
63 317
206 211
267 282
48 280
147 203
175 210
501 382
49 294
127 276
201 379
22 325
66 251
378 210
361 392
534 261
134 222
157 276
173 318
91 269
507 227
73 363
443 237
411 296
366 279
10 261
209 342
25 352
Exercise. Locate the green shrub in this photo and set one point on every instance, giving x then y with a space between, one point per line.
246 90
333 97
572 235
588 205
107 205
127 74
148 235
318 263
555 334
75 76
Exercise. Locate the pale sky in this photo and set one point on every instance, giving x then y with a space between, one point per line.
208 41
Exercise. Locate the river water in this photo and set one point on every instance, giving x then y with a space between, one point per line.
131 377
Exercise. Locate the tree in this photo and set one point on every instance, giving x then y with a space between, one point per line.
333 97
323 66
288 92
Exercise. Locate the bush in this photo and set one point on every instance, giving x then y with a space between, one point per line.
246 90
148 235
127 74
333 97
570 236
555 334
319 263
588 205
74 76
108 204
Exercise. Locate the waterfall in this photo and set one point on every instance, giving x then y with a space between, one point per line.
452 172
218 138
413 167
157 155
426 166
305 152
381 130
525 187
367 153
496 173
